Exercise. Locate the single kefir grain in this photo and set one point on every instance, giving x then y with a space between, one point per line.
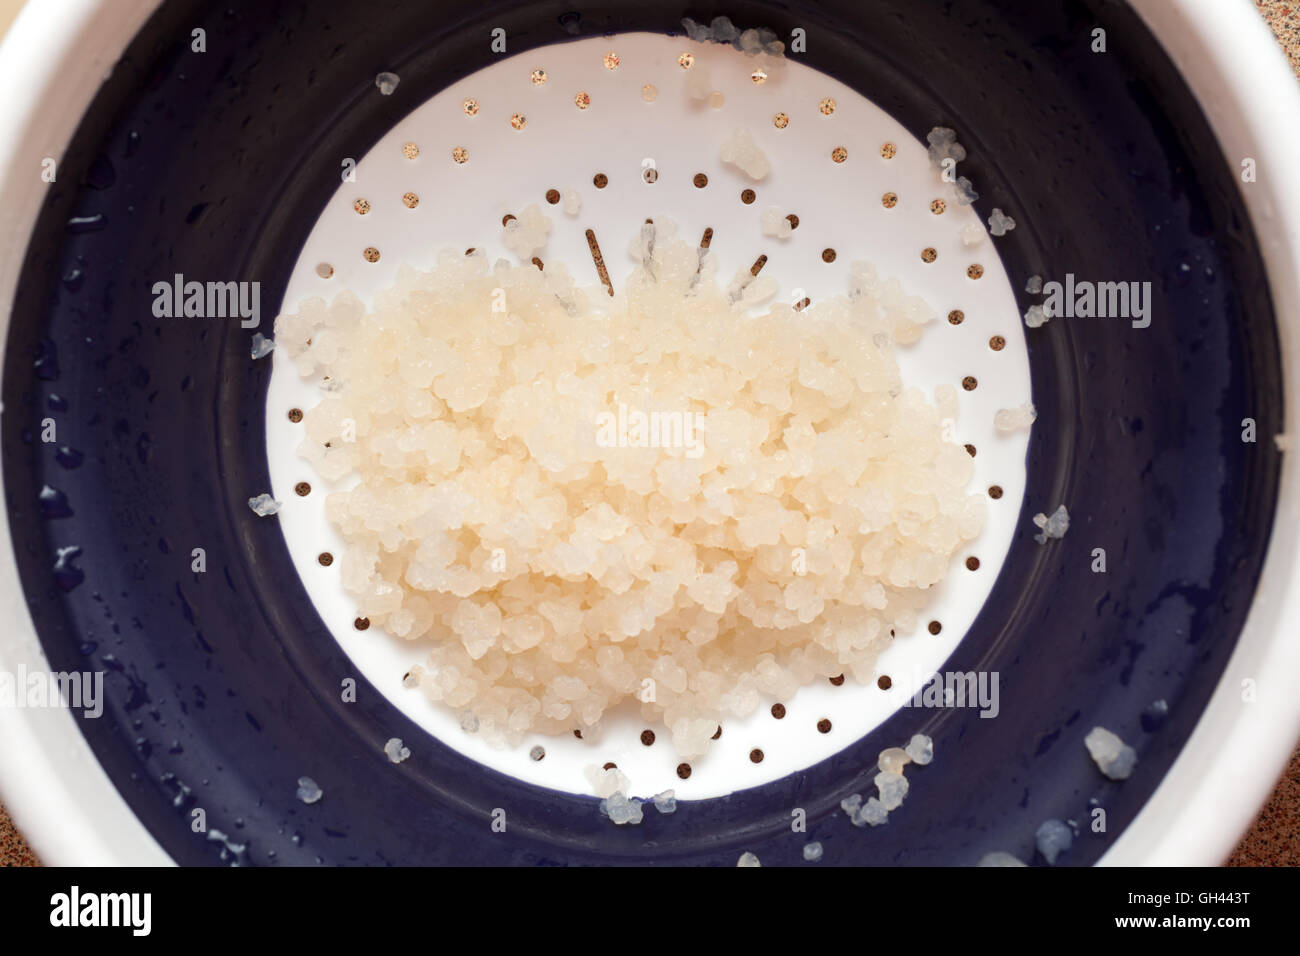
263 505
1014 419
1052 526
308 790
396 750
999 858
1052 838
1113 757
920 749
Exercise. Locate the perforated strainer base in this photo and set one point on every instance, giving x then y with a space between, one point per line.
558 117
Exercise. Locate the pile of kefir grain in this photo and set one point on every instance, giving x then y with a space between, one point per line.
506 504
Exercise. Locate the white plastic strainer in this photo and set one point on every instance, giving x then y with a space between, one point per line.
558 117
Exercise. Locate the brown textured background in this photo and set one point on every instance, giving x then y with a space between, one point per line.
1272 840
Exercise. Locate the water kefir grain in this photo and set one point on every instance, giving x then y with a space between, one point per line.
551 571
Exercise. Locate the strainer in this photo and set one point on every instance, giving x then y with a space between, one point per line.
860 186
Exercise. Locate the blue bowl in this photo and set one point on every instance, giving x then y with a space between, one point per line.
222 687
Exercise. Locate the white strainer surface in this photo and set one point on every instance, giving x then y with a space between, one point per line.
624 128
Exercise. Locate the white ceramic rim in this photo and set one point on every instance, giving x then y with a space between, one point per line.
72 814
51 783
